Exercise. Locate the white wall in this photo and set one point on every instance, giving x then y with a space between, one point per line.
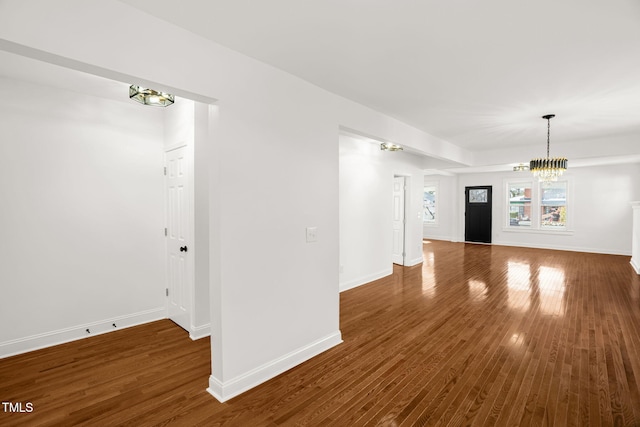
202 305
275 297
82 216
635 238
600 216
179 124
366 186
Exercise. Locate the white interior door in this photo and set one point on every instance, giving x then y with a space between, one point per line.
179 304
398 220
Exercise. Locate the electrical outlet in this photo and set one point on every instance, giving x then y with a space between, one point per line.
312 234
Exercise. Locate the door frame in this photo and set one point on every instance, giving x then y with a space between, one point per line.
404 221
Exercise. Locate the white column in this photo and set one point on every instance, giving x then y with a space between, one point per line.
635 236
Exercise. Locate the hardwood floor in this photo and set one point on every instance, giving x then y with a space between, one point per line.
477 335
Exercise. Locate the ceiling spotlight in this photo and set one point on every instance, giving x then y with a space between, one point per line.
388 146
150 97
520 168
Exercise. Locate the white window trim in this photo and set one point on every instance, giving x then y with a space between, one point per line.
558 232
536 227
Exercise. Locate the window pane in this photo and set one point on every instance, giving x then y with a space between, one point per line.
553 204
520 205
429 205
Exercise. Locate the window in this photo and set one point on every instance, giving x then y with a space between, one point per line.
429 204
520 205
553 205
537 206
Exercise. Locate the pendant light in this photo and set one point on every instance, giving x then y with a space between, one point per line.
548 169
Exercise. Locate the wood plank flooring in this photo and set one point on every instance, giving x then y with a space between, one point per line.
477 335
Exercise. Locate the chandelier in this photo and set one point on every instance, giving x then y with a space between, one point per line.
549 168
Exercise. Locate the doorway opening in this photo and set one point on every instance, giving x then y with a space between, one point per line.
187 138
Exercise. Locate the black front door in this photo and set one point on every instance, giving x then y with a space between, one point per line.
477 219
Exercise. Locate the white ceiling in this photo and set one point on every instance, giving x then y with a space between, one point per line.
477 74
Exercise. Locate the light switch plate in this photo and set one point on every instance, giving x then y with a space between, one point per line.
312 234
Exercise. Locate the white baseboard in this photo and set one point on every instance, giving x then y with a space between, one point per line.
61 336
413 262
366 279
445 238
635 265
198 332
226 390
564 248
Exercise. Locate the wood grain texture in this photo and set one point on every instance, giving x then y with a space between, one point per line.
477 335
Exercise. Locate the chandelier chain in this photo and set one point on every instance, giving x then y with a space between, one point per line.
548 134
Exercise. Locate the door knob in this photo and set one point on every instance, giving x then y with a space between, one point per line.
183 249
